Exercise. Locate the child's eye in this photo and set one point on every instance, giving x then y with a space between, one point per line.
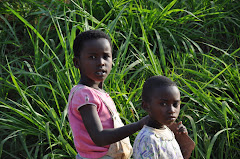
106 56
176 104
163 104
92 57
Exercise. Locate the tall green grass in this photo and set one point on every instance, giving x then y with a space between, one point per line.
196 43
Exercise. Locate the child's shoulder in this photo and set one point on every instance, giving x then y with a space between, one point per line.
149 133
83 93
78 89
146 133
145 139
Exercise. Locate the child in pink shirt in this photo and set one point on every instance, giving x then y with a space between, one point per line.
92 113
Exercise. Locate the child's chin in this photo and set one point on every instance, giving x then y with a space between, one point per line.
170 123
100 79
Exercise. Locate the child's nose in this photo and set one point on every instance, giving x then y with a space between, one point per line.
101 62
171 109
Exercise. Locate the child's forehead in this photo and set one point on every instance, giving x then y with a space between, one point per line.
165 87
96 46
165 91
96 43
97 40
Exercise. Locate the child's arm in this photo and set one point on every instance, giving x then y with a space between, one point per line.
104 137
185 142
181 129
178 128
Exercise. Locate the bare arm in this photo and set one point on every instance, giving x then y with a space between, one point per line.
104 137
178 128
185 142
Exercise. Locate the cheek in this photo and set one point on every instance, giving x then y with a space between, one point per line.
110 61
109 65
177 110
157 111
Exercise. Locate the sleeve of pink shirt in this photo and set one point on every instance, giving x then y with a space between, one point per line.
84 96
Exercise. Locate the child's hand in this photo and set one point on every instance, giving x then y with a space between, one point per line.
143 121
178 128
181 129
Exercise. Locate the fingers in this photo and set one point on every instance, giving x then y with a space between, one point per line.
179 123
181 129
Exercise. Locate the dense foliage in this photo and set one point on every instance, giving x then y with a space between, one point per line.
194 42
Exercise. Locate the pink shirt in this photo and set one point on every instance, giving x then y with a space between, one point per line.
82 141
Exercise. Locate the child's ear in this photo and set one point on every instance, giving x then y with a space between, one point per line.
76 62
146 106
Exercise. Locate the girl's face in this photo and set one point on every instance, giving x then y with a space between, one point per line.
164 106
95 61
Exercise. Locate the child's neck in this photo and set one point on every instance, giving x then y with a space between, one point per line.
92 84
154 124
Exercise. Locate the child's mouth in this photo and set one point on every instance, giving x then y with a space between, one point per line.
100 73
172 118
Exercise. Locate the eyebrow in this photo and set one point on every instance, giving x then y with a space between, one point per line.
93 53
167 100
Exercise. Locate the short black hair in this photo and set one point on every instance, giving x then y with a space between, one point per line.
154 82
85 36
